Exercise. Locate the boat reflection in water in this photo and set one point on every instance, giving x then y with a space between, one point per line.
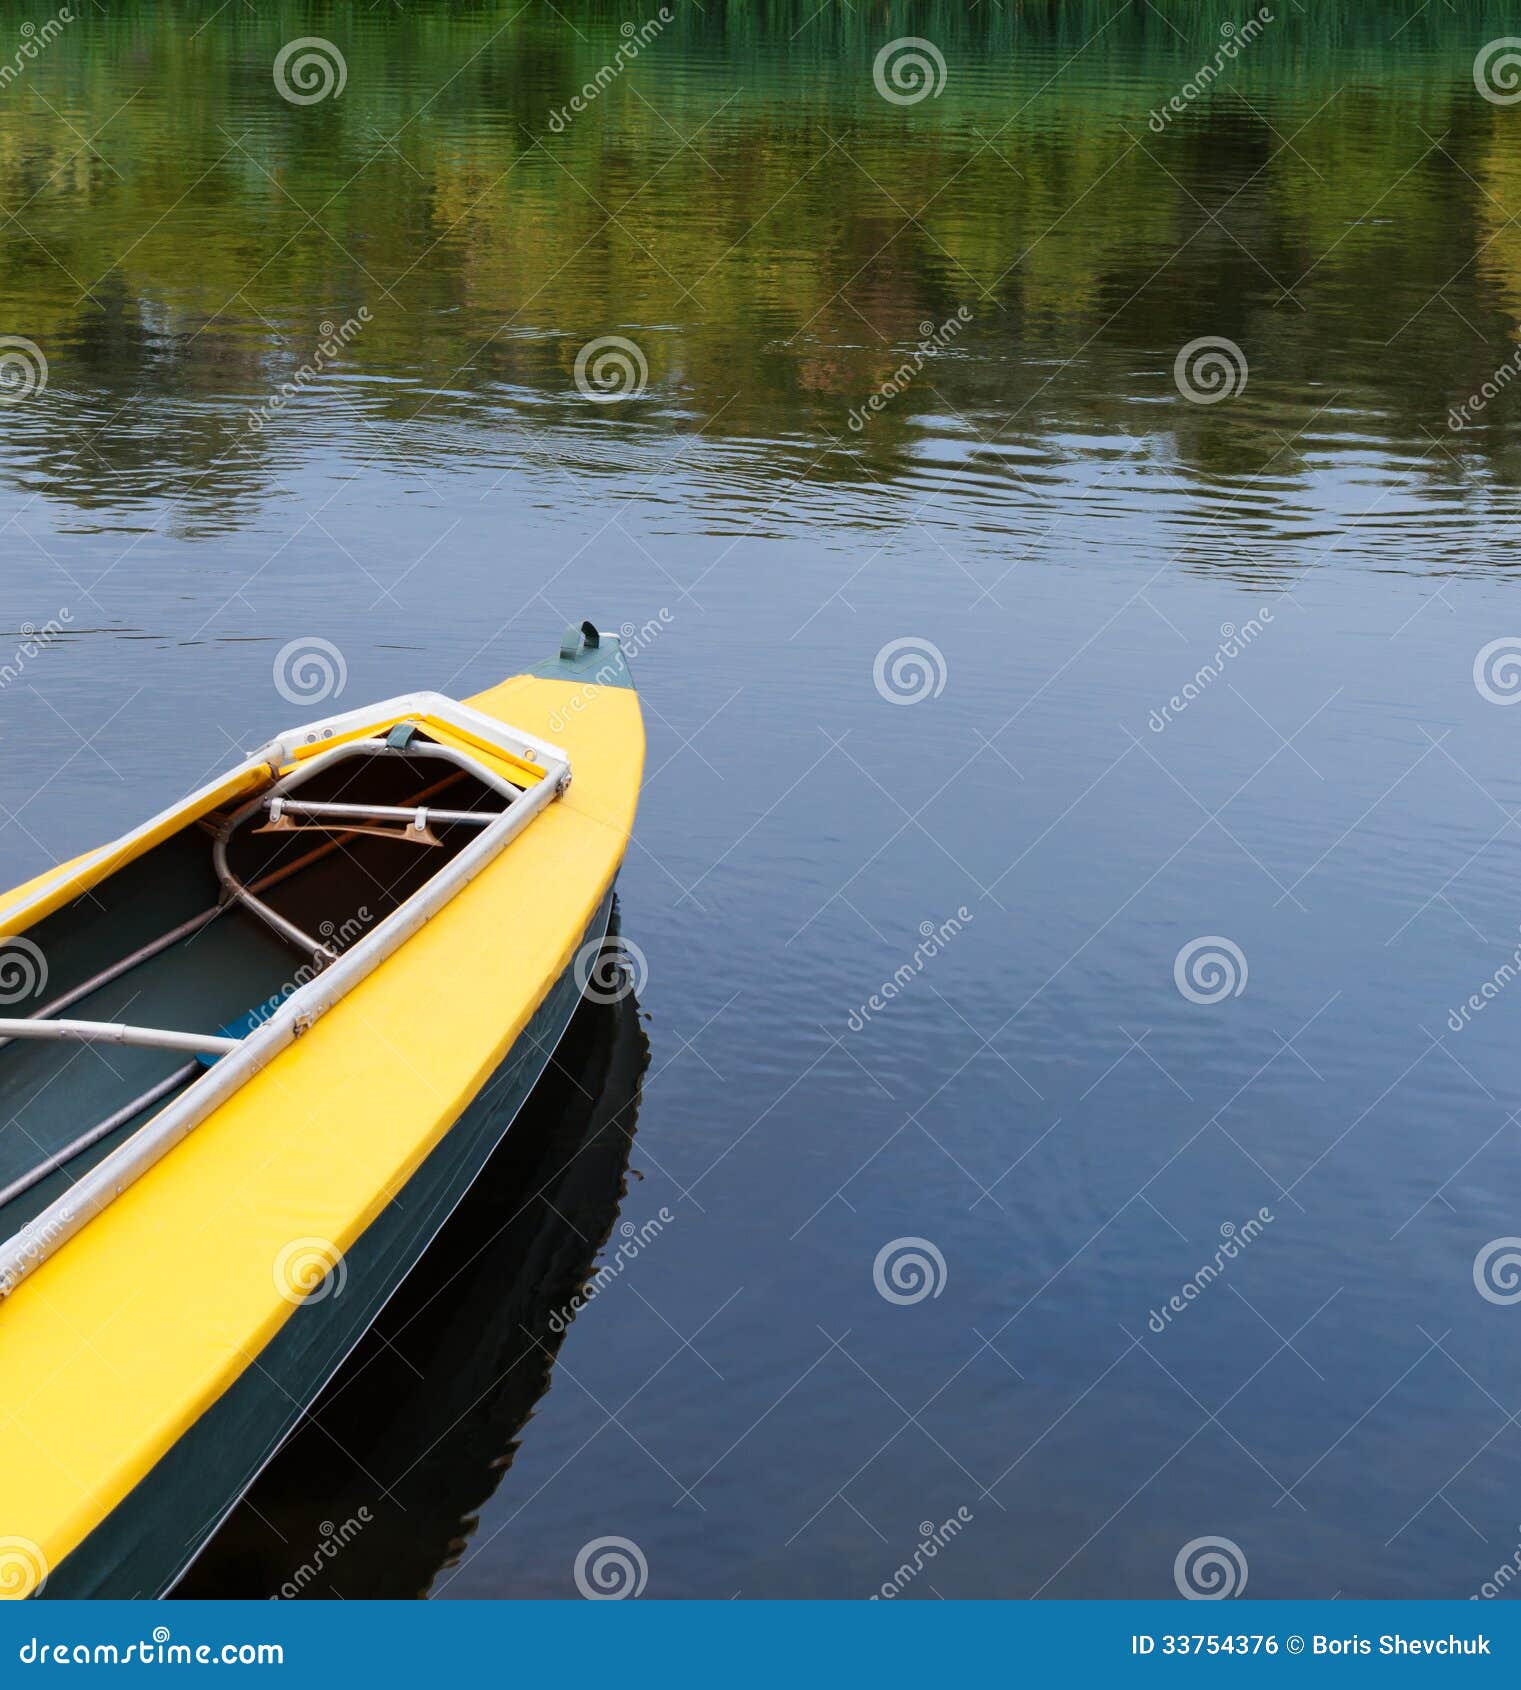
378 1489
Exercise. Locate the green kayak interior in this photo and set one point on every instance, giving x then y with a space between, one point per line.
340 885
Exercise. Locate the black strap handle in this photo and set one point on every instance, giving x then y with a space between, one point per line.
575 638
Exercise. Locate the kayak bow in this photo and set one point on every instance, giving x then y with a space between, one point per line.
409 896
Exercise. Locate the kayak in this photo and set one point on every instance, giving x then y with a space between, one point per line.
252 1056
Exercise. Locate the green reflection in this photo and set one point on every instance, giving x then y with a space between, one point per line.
774 236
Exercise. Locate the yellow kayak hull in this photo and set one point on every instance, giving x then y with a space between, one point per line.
115 1348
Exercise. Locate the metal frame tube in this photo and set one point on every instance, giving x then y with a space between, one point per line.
418 814
118 1033
323 955
104 1129
145 953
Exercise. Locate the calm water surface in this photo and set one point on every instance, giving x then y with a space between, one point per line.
1067 541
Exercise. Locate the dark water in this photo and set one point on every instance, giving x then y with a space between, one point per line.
1013 266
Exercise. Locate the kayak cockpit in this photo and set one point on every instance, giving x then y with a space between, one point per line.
424 801
226 929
